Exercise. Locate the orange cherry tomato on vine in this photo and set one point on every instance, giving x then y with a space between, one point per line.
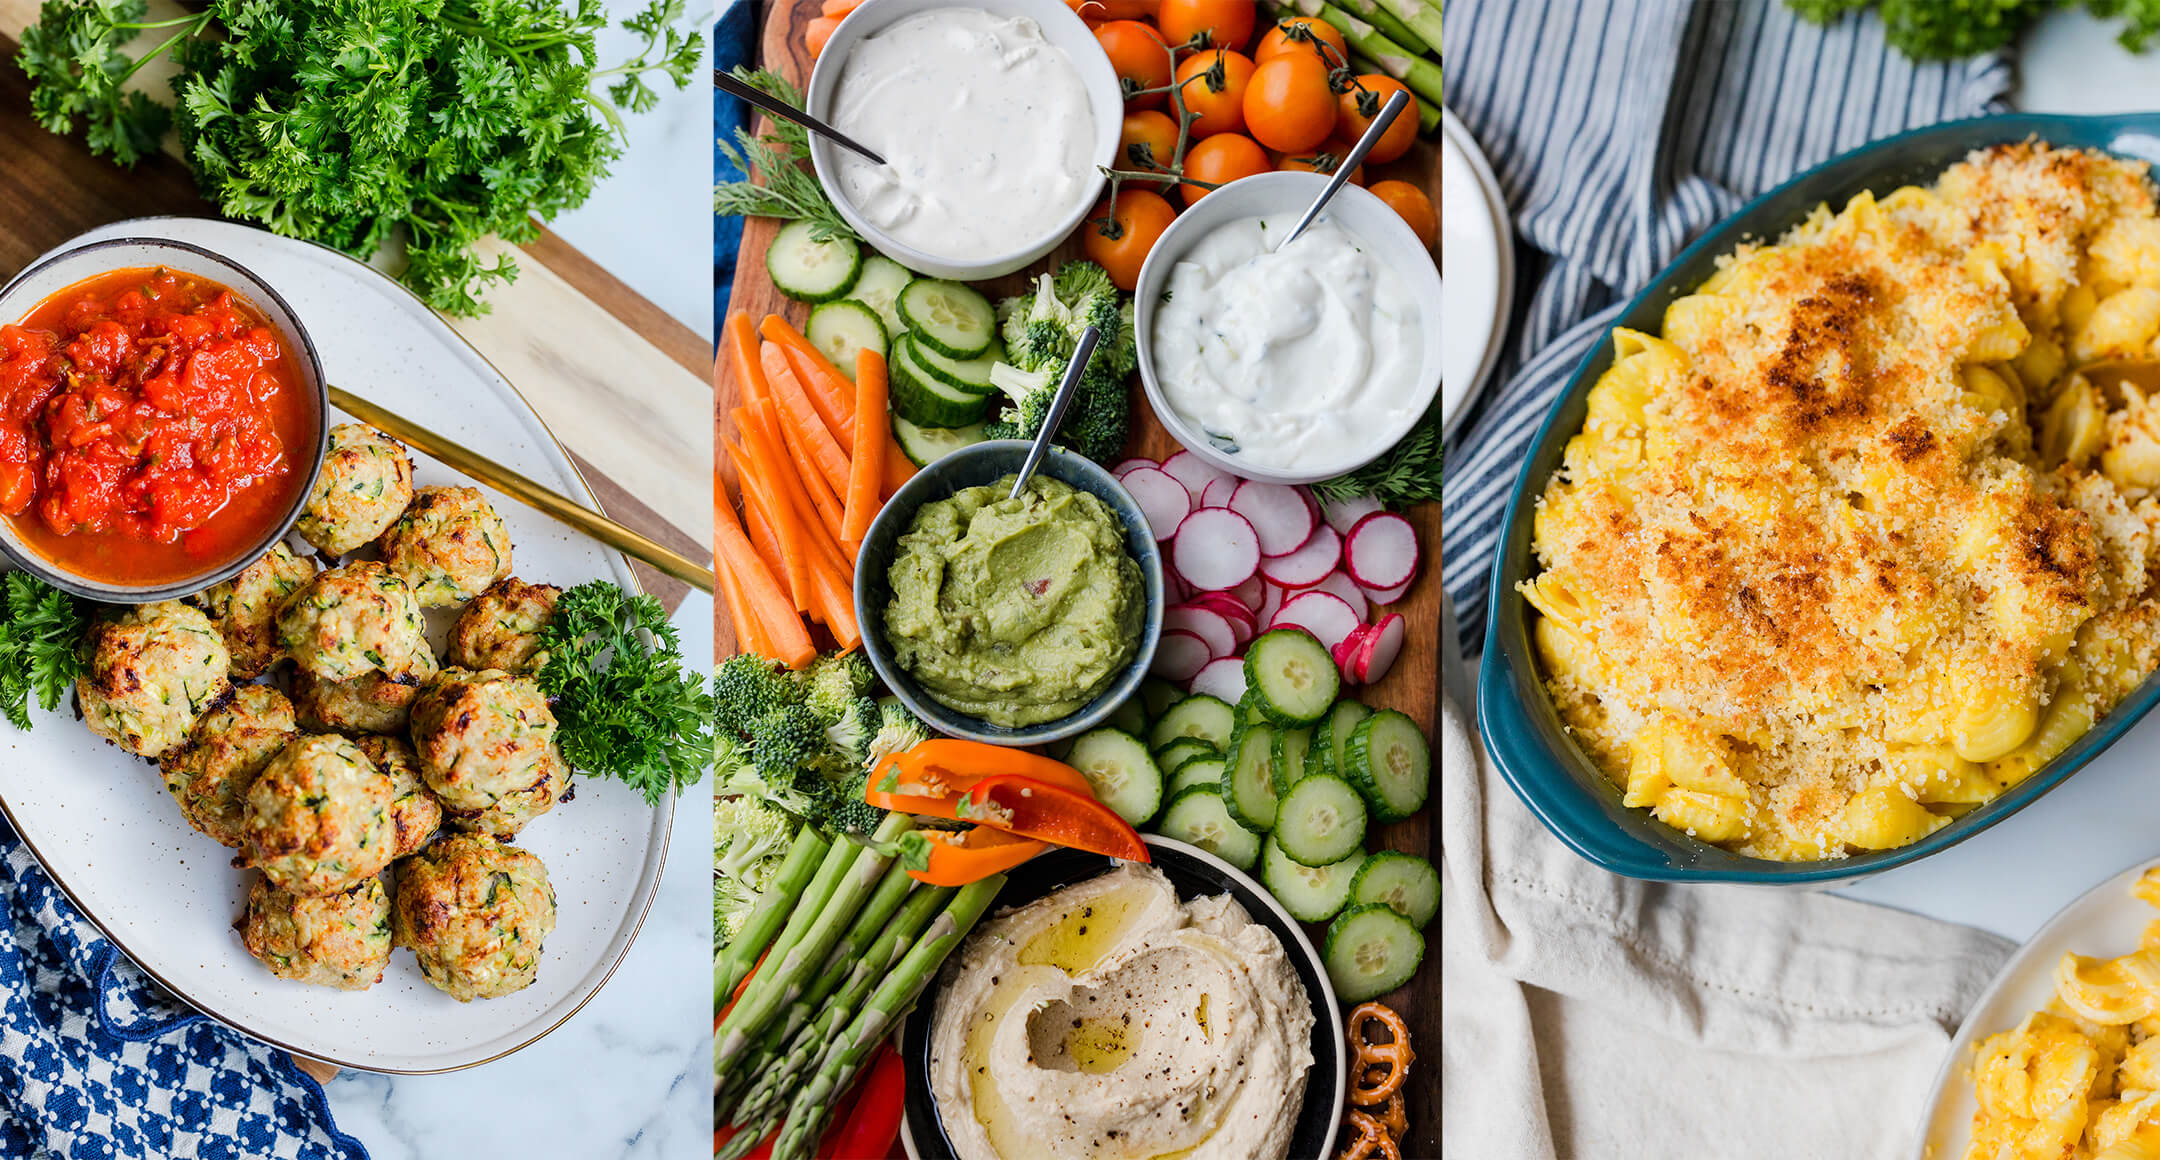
1288 105
1135 224
1279 41
1217 98
1415 208
1324 158
1220 160
1140 57
1154 130
1207 23
1358 107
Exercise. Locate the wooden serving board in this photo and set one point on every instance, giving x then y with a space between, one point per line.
1412 687
618 381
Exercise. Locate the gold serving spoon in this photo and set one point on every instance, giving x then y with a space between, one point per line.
528 492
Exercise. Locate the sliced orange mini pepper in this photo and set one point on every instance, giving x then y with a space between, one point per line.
958 857
930 777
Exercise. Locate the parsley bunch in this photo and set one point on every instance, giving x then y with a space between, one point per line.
354 122
41 631
1947 29
624 705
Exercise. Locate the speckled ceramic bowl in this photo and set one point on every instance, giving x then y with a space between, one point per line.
979 466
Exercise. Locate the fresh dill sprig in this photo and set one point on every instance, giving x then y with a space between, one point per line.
788 190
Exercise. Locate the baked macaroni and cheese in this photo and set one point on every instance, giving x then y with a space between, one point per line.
2079 1079
1859 543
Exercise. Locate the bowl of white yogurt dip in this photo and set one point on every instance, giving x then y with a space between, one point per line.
1296 364
994 118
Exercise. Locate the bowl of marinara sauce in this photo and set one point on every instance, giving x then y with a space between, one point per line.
162 419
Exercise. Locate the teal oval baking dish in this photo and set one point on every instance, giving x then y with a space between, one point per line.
1517 722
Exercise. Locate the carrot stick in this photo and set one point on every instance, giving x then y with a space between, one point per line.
817 32
816 373
872 433
756 474
790 641
762 536
898 467
798 415
822 499
742 347
838 601
838 9
749 630
787 502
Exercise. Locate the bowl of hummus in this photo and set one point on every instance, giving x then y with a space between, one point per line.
1112 1009
1013 621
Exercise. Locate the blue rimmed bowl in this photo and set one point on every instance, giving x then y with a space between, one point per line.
1521 729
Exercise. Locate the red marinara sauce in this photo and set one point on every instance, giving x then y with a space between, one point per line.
153 426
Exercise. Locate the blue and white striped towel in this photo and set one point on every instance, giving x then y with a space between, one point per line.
1619 130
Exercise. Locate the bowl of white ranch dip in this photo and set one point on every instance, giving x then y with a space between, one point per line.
993 117
1296 363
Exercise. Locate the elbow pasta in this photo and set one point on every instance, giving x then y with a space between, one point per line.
2080 1078
1855 544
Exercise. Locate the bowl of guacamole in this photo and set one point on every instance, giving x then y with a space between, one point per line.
1014 621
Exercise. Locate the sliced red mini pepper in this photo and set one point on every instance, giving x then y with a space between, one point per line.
958 857
1054 814
874 1123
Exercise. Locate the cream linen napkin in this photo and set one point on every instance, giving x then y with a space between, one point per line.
1593 1017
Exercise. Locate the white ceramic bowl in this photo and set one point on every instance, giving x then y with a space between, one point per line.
1352 209
1061 28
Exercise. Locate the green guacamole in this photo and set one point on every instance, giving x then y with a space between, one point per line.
1017 611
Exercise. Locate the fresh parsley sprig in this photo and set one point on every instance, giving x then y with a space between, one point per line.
625 705
41 632
776 185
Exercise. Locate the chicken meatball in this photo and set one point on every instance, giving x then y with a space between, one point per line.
376 702
366 481
415 815
210 775
353 620
152 672
500 629
481 736
512 811
337 940
475 913
318 817
449 545
245 608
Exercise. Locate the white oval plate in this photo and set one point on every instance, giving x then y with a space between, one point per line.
2104 921
99 819
1478 266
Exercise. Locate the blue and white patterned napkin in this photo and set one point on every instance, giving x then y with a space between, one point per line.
98 1063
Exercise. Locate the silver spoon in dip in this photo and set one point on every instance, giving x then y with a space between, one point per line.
773 106
1396 103
1067 387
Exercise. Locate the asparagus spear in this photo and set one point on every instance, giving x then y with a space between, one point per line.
796 870
838 857
812 1106
1382 17
1423 76
746 1137
1423 16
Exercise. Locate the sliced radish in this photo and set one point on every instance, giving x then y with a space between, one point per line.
1281 515
1223 677
1194 472
1251 593
1205 623
1383 643
1215 550
1346 653
1344 514
1339 583
1240 618
1380 552
1175 589
1218 492
1271 602
1386 596
1126 465
1327 617
1179 656
1163 500
1308 565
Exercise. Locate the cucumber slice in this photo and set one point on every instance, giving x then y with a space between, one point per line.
1124 776
1334 733
1203 770
1199 715
842 329
1388 761
1287 762
1182 750
1309 893
1249 779
947 317
1130 716
1159 695
970 375
922 398
1404 883
1290 677
1371 950
879 289
1321 820
926 445
1197 816
809 270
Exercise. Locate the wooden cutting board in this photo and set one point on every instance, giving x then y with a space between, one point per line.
620 382
1412 687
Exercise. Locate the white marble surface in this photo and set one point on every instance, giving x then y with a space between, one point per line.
628 1076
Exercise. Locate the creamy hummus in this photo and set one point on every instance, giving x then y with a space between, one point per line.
1109 1020
1017 611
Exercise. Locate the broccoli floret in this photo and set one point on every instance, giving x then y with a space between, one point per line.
833 682
750 841
851 732
898 730
1042 330
747 687
789 740
1077 282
